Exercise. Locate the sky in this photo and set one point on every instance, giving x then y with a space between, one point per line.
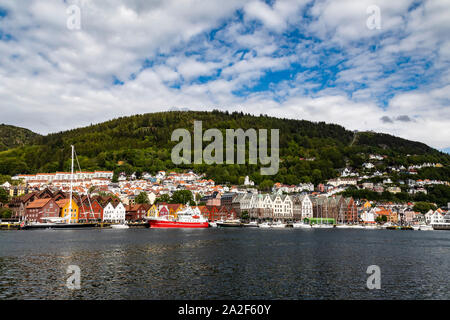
67 64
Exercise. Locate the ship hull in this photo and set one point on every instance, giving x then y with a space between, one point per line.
177 224
229 225
60 226
441 227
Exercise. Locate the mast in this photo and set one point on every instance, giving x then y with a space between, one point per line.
71 187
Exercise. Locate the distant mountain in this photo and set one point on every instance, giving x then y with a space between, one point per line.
12 137
309 151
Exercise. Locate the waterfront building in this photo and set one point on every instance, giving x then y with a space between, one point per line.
256 210
153 211
18 205
66 211
90 210
227 199
390 215
282 207
39 209
236 203
437 217
136 212
368 216
301 207
212 213
114 213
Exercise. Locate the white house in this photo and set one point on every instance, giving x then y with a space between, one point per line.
368 165
113 213
437 217
307 207
368 216
428 216
248 182
282 207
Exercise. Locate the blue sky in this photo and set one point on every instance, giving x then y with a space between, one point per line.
315 60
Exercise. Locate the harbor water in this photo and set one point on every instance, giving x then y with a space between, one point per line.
229 263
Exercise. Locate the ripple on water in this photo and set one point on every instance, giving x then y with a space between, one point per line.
224 264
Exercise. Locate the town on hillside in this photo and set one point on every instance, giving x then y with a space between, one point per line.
97 198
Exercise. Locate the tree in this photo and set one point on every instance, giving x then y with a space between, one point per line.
142 198
266 185
4 196
423 207
183 197
163 198
5 213
244 215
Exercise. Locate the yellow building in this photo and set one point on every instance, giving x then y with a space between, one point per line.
64 206
153 211
17 191
367 205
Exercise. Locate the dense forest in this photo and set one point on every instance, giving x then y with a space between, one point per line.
309 151
12 137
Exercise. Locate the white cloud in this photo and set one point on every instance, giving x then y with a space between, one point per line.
52 78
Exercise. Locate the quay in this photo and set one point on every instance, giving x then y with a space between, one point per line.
17 226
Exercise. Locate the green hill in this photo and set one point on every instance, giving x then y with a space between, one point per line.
141 143
12 137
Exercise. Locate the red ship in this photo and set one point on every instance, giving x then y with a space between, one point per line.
186 218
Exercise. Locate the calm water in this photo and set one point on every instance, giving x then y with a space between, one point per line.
224 264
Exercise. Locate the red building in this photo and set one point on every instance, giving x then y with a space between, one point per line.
136 212
213 213
41 208
92 212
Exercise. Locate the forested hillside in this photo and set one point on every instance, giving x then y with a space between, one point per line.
308 151
12 137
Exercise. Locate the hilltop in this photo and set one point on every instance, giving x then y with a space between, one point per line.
12 137
309 151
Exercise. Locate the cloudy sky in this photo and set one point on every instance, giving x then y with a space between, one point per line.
323 60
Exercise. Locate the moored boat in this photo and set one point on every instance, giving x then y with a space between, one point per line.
120 226
251 224
186 218
278 224
301 225
425 227
230 224
264 225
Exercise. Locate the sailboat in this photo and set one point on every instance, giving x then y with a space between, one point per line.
64 222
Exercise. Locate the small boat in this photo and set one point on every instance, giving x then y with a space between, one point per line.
371 226
322 226
264 225
342 226
301 225
278 224
425 227
251 224
213 224
120 226
356 226
230 224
